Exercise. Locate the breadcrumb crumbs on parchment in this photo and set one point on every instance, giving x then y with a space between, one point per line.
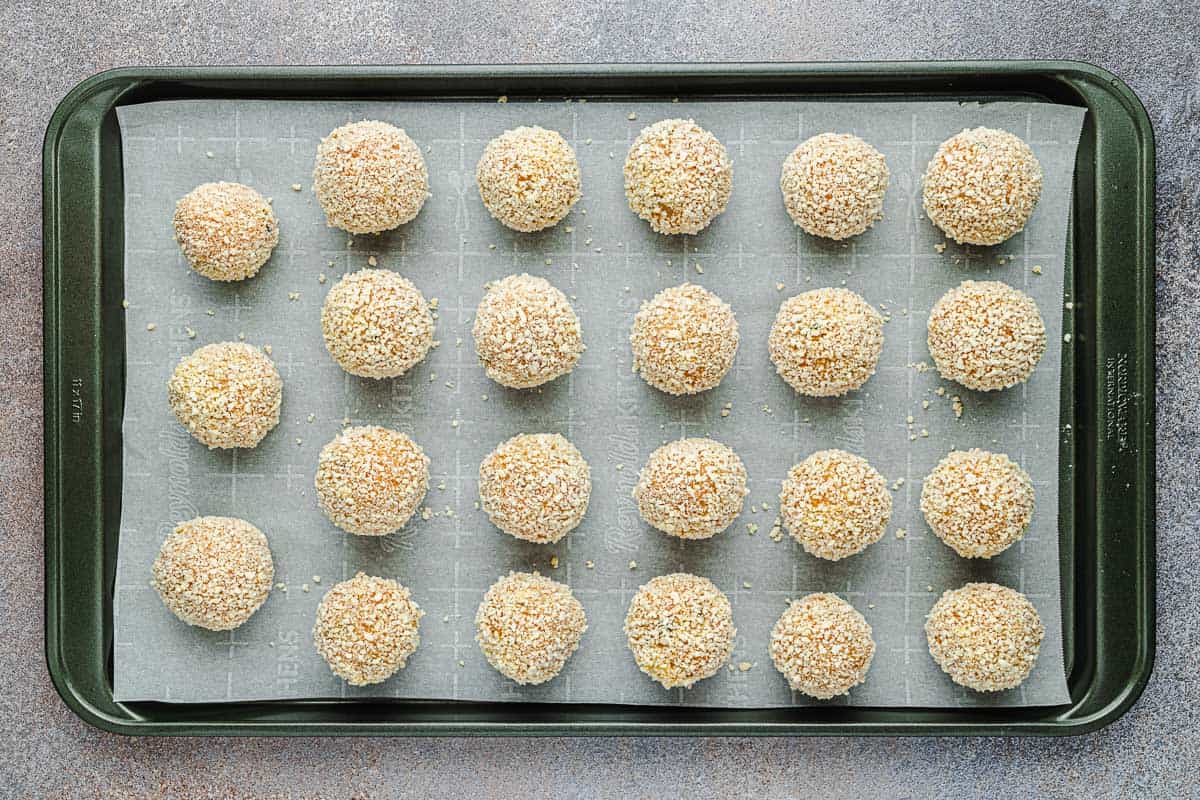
366 628
680 630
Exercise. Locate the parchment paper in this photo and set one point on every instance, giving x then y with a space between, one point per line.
609 262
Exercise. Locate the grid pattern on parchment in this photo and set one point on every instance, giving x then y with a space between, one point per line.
608 261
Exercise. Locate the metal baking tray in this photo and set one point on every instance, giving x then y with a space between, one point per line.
1107 507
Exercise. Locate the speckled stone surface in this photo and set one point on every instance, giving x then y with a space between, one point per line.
1154 751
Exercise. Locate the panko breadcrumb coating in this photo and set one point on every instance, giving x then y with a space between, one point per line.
985 636
214 572
833 185
526 332
835 504
528 178
370 480
680 629
978 502
691 488
376 324
226 395
826 342
226 230
986 335
684 340
981 186
367 628
369 177
822 645
535 487
678 176
528 626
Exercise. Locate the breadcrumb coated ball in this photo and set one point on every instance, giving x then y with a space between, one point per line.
684 340
981 186
691 488
833 185
226 230
835 504
369 177
985 636
366 629
978 502
376 324
678 176
370 480
680 629
822 645
528 178
826 342
526 332
226 395
986 335
214 572
535 487
528 626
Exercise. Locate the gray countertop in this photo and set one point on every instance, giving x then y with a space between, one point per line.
1154 751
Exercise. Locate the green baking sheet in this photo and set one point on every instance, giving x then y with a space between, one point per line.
1106 511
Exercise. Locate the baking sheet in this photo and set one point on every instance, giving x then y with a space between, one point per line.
609 261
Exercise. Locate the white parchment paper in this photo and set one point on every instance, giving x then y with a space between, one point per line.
608 261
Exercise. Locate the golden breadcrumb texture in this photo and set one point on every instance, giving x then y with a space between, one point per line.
370 480
680 629
985 636
822 645
678 176
226 395
528 626
376 324
684 340
214 572
833 185
981 186
977 502
691 488
528 178
367 628
369 177
835 504
526 332
226 230
826 342
986 335
535 486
